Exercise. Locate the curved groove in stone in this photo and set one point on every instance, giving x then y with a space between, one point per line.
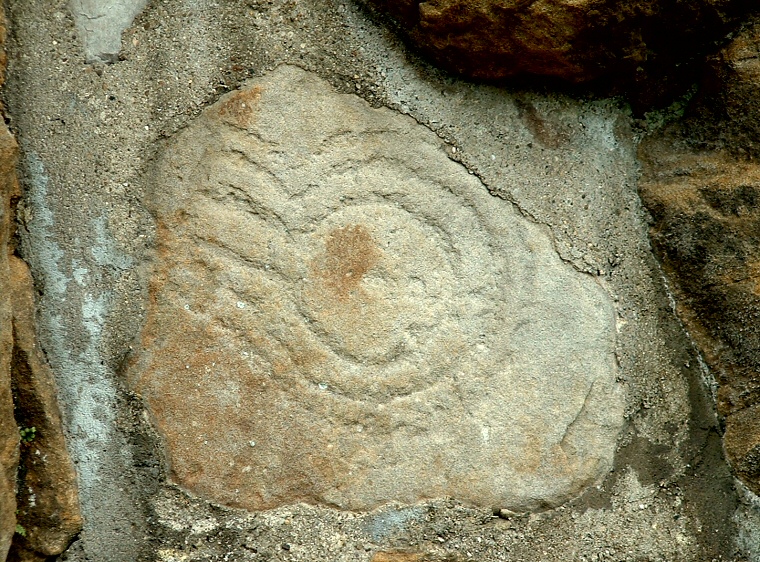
348 329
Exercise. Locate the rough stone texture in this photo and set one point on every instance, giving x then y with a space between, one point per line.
89 134
702 186
725 112
100 23
636 41
37 493
356 320
707 230
47 502
37 487
21 554
9 436
8 448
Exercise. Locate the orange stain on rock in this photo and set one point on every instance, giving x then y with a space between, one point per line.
238 109
350 252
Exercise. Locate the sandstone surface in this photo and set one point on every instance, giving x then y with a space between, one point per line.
9 436
89 135
707 233
47 503
342 315
570 39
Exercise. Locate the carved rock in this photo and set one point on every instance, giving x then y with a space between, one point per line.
341 315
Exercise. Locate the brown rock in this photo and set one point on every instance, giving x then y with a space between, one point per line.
742 442
48 507
20 554
725 113
576 40
702 186
707 233
9 436
8 441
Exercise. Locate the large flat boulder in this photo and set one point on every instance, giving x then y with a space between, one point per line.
340 314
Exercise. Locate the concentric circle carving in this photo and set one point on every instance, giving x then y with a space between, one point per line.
340 314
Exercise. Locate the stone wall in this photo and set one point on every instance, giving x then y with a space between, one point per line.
295 294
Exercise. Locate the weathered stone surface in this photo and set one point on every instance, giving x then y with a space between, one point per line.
89 135
8 454
100 23
48 508
9 436
341 315
725 113
702 186
570 39
707 232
